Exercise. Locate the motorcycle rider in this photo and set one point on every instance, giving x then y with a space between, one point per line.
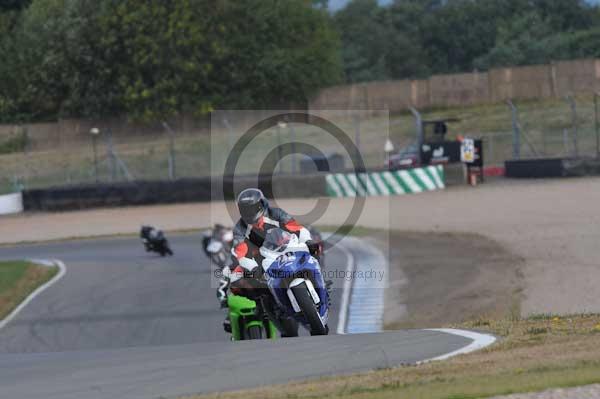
219 233
256 219
149 234
154 240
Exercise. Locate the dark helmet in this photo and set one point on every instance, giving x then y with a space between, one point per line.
252 205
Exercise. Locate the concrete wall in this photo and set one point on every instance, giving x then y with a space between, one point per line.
458 89
499 84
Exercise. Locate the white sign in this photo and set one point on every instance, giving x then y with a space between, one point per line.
11 203
389 146
467 151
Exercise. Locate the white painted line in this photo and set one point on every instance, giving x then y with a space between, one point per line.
480 341
370 313
62 269
341 326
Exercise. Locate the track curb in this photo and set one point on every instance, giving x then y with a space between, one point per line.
62 269
372 321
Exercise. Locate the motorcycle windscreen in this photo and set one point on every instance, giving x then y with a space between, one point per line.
277 240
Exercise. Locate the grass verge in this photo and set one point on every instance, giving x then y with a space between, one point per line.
533 354
18 279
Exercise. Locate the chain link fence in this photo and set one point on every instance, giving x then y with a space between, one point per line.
92 153
31 157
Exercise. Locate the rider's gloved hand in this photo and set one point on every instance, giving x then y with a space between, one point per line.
222 290
224 303
314 248
223 286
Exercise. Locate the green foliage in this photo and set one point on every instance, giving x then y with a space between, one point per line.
15 143
164 55
10 273
414 38
279 52
378 43
13 4
524 40
151 60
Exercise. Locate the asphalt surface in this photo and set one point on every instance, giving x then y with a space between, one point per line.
177 370
124 323
115 295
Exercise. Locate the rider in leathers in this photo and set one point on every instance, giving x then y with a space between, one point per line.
257 218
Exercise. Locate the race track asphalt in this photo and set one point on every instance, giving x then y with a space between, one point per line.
115 295
127 324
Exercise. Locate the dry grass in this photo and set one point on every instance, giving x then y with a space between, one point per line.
198 153
17 280
534 354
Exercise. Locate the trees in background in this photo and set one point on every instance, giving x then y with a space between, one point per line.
379 43
151 60
413 38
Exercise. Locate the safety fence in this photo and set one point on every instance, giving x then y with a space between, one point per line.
385 183
36 158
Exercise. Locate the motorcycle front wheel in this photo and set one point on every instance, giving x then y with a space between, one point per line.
254 332
218 259
309 310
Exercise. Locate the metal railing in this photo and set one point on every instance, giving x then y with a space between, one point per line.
562 127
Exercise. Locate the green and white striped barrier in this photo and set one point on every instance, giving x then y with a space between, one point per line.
395 182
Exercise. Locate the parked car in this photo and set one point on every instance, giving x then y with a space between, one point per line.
406 158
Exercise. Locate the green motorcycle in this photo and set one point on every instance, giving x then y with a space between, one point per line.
248 321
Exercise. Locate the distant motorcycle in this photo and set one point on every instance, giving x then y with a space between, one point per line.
154 240
217 245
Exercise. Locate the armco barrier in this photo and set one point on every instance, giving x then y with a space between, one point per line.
166 192
11 203
396 182
535 168
203 189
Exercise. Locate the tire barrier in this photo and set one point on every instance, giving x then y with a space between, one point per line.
552 167
535 168
104 195
116 194
581 167
397 182
11 203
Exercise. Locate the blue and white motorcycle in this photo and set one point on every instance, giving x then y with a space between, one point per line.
295 280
